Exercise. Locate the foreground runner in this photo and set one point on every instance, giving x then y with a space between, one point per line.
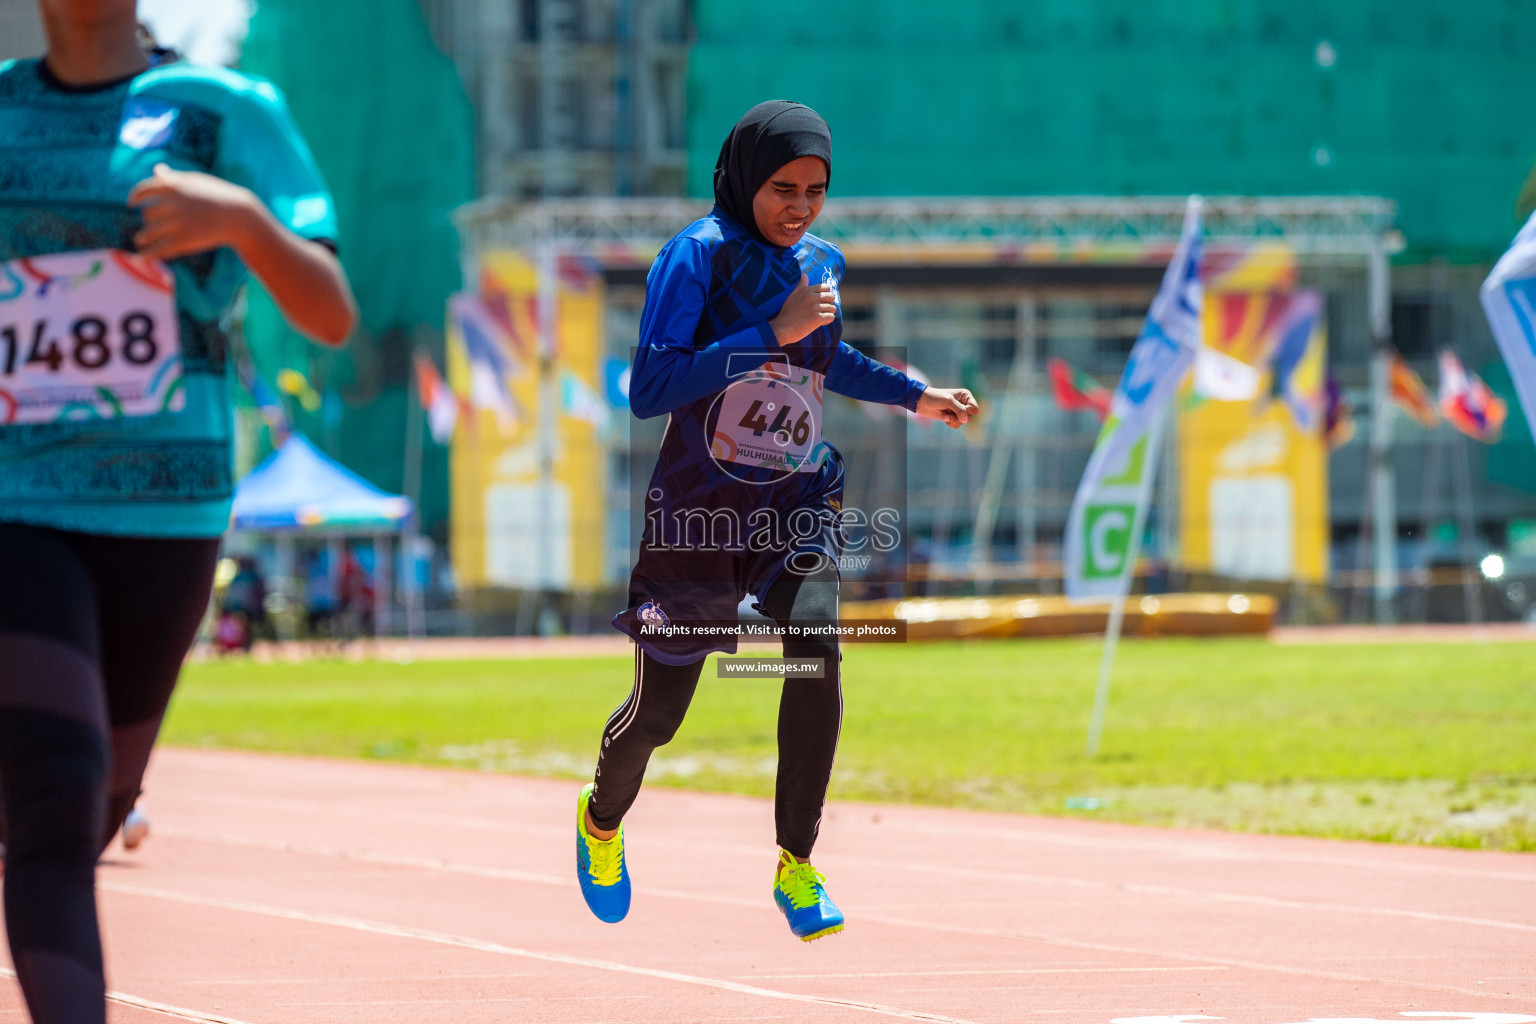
735 344
135 194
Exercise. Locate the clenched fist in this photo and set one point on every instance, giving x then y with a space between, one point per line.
955 406
188 212
806 309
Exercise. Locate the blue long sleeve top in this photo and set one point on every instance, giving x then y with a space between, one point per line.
708 301
709 298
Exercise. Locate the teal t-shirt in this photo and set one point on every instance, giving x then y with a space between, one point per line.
68 159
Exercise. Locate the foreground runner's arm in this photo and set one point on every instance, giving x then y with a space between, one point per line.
189 212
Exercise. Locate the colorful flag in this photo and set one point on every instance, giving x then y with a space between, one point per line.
292 382
577 273
1298 358
267 401
1338 415
490 361
1075 391
439 401
1409 392
1109 510
1467 403
1509 300
581 401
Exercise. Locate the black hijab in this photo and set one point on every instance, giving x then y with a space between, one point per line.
769 136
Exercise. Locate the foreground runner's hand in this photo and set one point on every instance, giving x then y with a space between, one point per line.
188 212
806 309
954 406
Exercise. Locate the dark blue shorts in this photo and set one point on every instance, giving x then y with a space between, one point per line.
686 587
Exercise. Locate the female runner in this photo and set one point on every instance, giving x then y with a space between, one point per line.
741 331
135 195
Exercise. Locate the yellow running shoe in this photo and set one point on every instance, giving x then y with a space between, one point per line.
600 867
801 893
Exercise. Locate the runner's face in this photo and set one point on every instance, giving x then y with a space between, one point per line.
790 199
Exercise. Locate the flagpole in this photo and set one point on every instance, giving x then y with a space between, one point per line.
1027 515
1106 670
1471 591
414 455
1426 520
1113 627
548 300
1005 431
1383 512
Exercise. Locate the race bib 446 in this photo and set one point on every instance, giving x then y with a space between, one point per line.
88 335
771 418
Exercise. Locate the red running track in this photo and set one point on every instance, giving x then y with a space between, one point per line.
287 891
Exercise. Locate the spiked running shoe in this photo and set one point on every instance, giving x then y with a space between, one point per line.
600 867
801 892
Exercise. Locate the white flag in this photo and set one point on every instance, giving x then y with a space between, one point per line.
1223 377
439 401
1509 299
1110 507
582 401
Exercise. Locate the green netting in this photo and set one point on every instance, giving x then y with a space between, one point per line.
393 133
1428 102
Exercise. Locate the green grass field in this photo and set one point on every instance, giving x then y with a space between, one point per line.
1415 743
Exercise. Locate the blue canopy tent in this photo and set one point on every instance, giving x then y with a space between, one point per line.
300 491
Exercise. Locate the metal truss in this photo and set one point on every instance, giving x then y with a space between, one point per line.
1321 227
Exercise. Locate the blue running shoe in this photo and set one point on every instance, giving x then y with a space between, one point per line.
600 867
801 892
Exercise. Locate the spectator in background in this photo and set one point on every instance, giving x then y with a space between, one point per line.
320 598
245 601
357 595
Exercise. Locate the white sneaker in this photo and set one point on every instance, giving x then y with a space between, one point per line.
135 828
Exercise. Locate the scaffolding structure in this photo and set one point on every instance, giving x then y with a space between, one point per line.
574 97
963 236
1317 228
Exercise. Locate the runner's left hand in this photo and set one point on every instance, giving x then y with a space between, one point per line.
188 212
955 406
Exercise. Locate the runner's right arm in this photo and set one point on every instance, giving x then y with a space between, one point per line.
266 200
188 212
669 372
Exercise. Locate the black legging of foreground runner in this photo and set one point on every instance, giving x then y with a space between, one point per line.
810 717
93 631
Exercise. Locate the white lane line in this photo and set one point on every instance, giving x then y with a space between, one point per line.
1187 849
896 922
1183 849
1104 947
1005 970
362 856
507 874
429 864
484 946
1182 893
374 811
180 1012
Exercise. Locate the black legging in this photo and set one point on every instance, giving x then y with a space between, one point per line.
93 631
810 715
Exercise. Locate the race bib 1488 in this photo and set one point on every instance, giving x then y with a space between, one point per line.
88 335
